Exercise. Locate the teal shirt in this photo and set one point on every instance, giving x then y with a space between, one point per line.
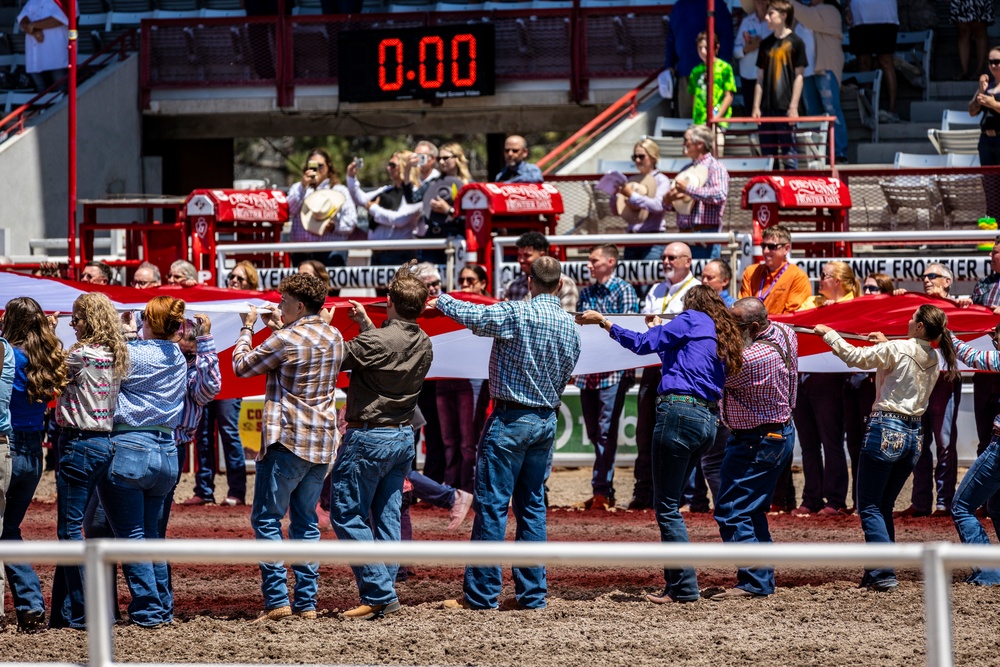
724 82
6 386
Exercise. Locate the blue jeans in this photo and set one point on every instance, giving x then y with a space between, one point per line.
513 453
288 484
979 486
5 471
750 469
778 139
602 409
367 480
224 414
426 489
683 432
143 470
888 455
821 94
84 457
939 430
26 470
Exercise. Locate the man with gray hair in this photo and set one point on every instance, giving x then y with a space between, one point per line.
707 199
757 406
424 160
535 348
183 273
146 276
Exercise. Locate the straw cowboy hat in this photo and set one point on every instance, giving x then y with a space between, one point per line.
319 210
644 186
694 177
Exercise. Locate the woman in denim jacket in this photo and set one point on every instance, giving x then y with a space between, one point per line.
39 375
905 373
144 465
97 363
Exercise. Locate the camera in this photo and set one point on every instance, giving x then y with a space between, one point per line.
312 166
359 163
422 159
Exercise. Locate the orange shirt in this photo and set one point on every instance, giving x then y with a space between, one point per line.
784 296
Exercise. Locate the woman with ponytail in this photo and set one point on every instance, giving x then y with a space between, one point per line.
905 373
97 363
39 376
143 468
698 349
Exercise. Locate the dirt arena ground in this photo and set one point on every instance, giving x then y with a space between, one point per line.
595 616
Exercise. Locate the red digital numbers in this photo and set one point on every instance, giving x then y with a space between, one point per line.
430 48
396 45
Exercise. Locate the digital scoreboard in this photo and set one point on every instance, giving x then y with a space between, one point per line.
434 63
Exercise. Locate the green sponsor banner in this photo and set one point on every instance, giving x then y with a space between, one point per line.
571 434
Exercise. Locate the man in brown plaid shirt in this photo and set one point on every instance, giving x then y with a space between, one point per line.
301 358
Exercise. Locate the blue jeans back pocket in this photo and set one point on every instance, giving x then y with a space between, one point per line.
770 451
130 462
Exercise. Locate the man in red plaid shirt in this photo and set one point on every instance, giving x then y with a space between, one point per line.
757 406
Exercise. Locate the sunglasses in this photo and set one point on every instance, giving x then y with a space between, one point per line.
828 276
239 279
73 321
772 246
446 157
393 165
673 258
433 283
639 158
994 63
512 150
142 283
870 289
468 279
932 276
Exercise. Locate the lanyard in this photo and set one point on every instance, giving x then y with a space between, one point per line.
764 280
668 299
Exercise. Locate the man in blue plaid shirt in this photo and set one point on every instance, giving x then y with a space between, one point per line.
535 348
602 395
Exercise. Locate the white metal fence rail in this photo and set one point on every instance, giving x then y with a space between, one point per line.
937 560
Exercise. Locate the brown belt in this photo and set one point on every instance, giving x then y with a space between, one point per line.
371 424
4 439
990 133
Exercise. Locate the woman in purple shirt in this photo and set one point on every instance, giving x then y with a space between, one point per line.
698 348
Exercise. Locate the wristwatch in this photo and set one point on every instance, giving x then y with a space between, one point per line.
604 322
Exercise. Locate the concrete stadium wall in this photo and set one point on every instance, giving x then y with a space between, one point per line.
33 176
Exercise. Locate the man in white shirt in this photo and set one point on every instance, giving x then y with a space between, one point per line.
666 298
46 55
753 30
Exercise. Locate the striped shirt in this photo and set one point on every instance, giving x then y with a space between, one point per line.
709 199
153 392
88 402
614 296
763 392
535 346
204 381
981 360
986 292
301 360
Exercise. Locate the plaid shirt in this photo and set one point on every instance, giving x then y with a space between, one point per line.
302 360
981 360
569 294
710 198
204 384
987 291
614 296
535 346
763 392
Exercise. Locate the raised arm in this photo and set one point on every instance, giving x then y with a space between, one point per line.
496 321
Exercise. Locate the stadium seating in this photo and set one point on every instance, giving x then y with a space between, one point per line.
955 141
958 119
748 163
869 90
919 161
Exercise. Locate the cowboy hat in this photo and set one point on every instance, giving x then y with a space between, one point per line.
319 209
645 186
694 177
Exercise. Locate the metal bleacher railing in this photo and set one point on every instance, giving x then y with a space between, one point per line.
561 42
19 106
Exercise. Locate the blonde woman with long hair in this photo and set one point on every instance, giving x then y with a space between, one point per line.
97 363
39 376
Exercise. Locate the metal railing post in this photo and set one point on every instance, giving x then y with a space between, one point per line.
449 266
937 606
100 642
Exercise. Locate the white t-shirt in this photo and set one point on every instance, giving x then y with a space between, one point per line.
866 12
748 61
666 298
53 51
